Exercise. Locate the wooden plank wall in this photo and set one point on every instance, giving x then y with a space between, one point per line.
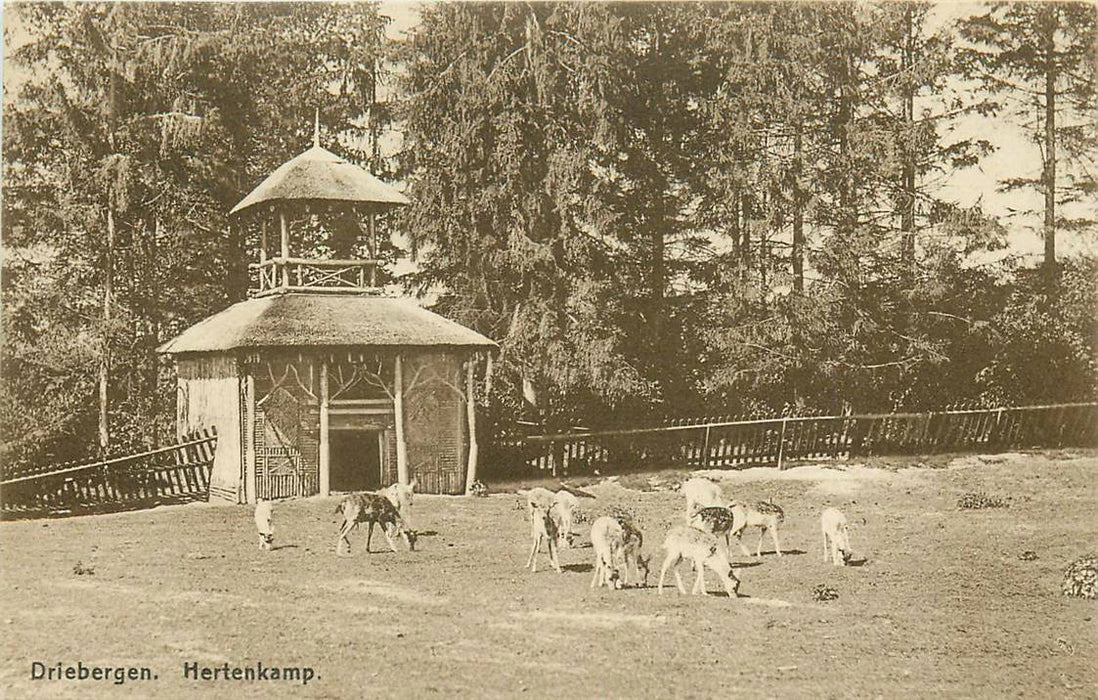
778 441
176 473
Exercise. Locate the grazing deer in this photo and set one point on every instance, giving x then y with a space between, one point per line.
565 505
764 515
836 536
720 521
400 495
700 493
544 527
704 550
263 524
615 539
371 508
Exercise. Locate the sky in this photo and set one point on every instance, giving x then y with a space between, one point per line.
1016 155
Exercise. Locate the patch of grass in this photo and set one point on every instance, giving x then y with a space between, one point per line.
980 501
1081 578
822 593
81 570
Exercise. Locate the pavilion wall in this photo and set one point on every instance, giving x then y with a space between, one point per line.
209 395
435 423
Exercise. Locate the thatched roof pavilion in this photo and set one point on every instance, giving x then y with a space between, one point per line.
319 382
308 320
318 175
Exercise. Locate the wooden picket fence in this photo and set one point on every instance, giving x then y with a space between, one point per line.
778 441
171 474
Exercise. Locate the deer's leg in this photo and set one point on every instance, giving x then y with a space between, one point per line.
531 562
344 531
596 579
553 559
369 535
667 563
387 530
743 547
699 580
777 545
678 582
762 533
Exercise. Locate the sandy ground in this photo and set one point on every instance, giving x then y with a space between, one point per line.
942 605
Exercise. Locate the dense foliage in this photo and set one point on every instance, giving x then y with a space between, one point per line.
656 209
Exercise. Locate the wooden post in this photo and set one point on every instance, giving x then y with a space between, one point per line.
285 248
489 370
325 448
263 241
373 248
471 414
781 443
398 421
705 450
246 489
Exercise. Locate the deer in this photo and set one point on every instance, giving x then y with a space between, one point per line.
704 549
371 508
836 536
764 515
565 505
400 495
544 527
615 539
263 524
720 521
700 493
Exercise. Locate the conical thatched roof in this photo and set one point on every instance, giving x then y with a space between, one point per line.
311 320
320 175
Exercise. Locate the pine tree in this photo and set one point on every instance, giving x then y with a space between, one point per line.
1040 55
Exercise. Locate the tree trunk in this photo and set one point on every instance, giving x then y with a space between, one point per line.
398 421
471 416
798 213
1048 177
745 239
153 380
907 200
108 281
105 361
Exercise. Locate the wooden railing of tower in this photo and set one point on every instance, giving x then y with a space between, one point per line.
276 275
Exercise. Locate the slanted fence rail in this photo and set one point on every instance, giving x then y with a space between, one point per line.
778 441
169 474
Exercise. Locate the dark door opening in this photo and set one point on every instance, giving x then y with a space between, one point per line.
355 460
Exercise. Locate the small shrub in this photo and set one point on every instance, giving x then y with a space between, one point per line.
1028 555
81 570
978 501
1081 578
823 593
479 489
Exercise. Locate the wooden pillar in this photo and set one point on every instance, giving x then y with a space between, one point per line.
374 252
781 444
489 370
285 248
248 487
325 446
398 421
705 449
263 241
471 415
